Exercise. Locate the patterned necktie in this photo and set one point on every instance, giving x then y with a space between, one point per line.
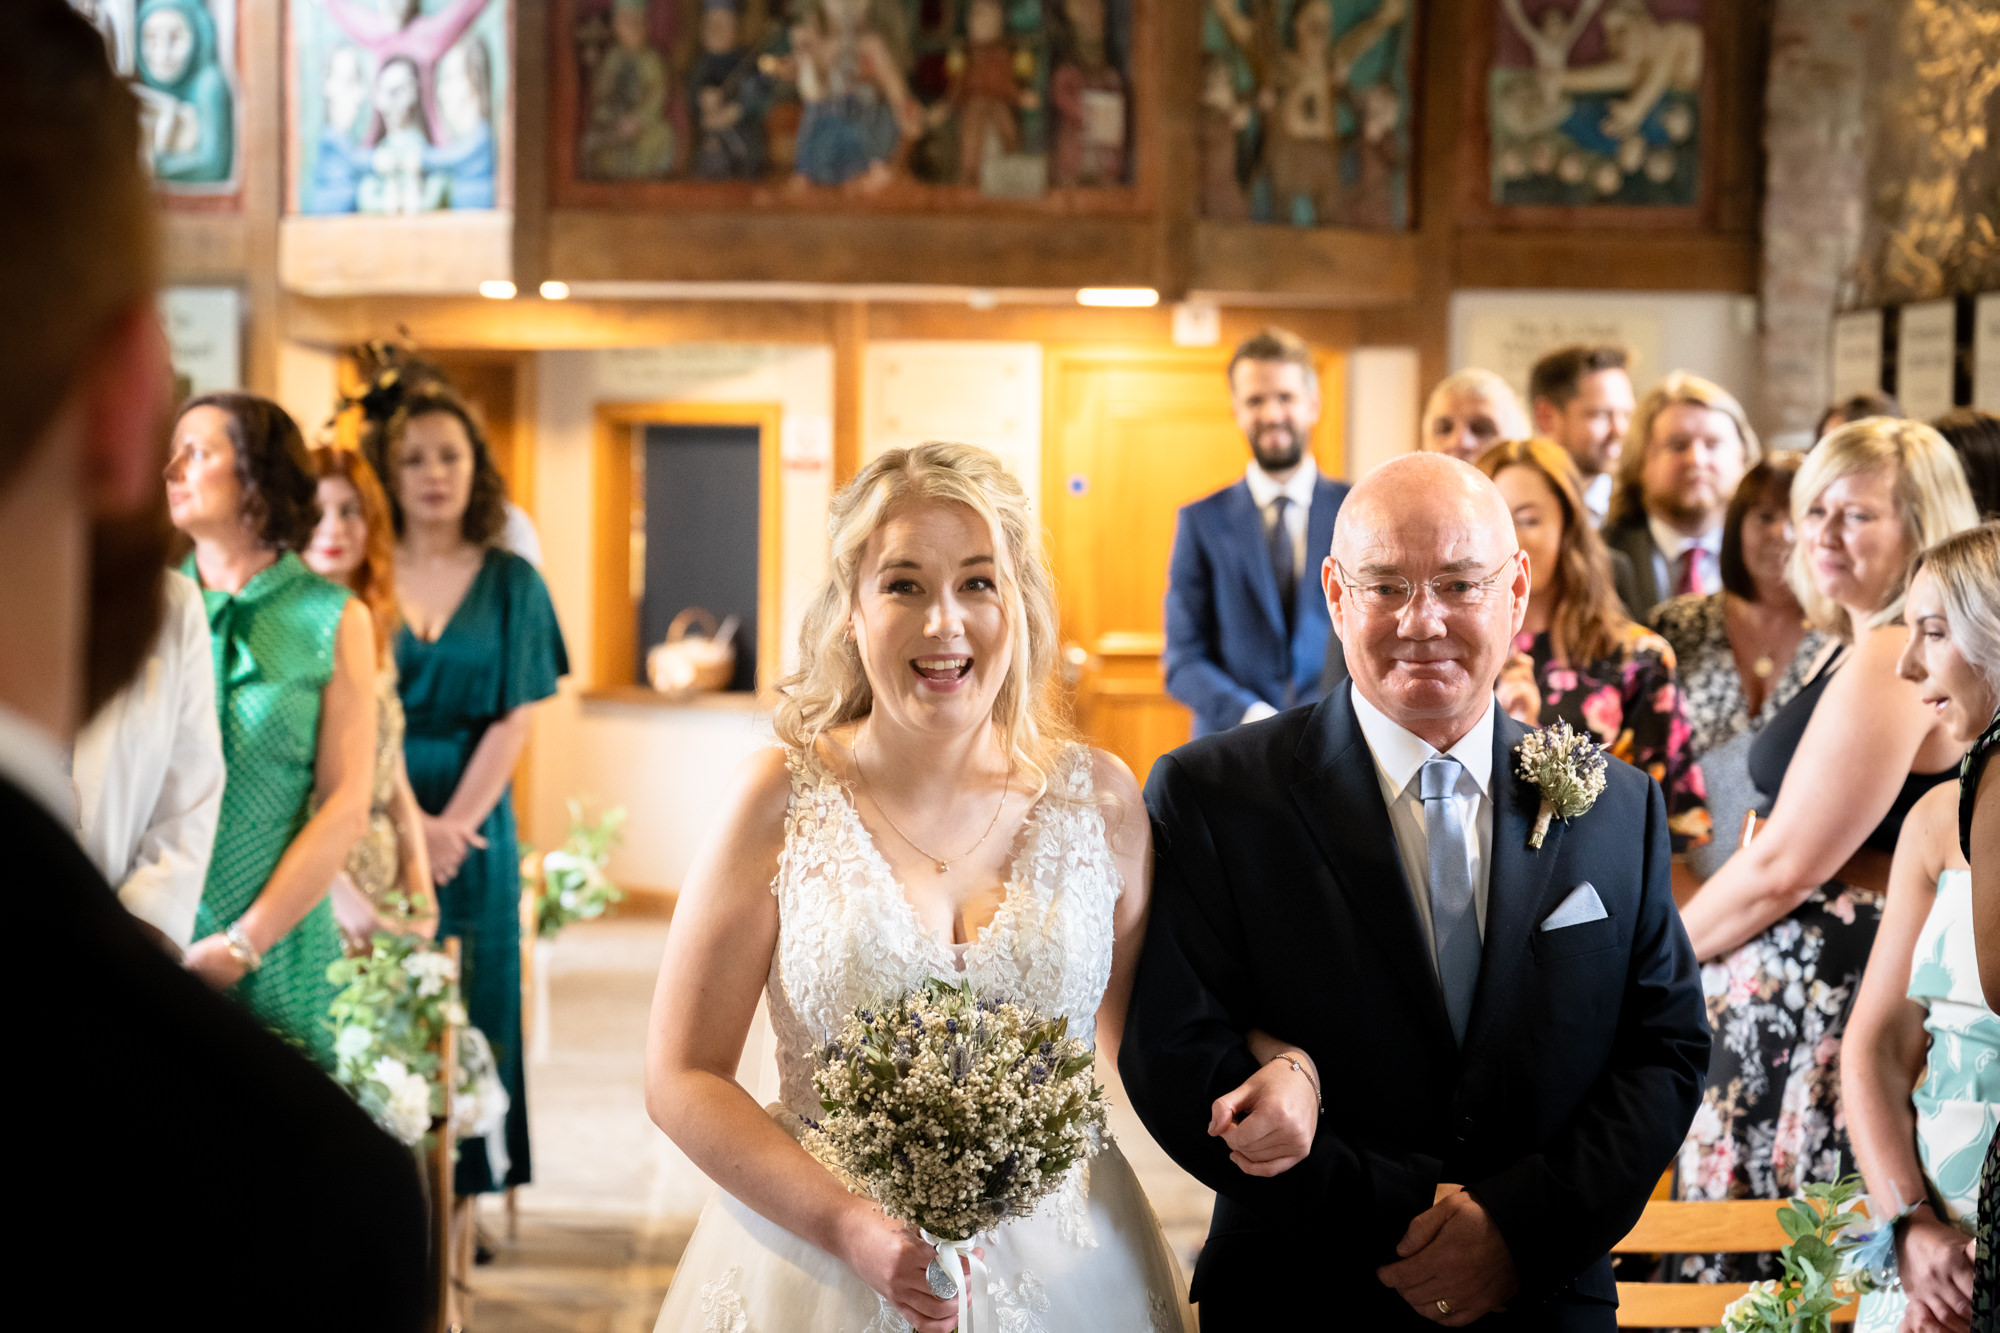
1687 574
1283 565
1454 917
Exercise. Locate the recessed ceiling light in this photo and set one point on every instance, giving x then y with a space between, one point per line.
1137 298
497 289
555 291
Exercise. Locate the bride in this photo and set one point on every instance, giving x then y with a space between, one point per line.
929 814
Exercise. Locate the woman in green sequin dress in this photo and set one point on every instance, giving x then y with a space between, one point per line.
479 645
386 884
294 672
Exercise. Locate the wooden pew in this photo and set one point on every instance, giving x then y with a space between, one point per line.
1666 1227
451 1228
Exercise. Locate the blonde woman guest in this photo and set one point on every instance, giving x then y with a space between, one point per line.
386 884
1468 413
1785 926
929 813
294 671
1921 1020
149 774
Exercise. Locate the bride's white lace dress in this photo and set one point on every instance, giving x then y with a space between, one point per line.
1092 1258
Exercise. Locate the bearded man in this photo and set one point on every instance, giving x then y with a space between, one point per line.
1247 635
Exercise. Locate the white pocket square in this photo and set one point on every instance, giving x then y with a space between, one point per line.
1582 905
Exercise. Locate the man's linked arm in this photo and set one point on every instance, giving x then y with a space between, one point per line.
1564 1208
1193 658
1192 1003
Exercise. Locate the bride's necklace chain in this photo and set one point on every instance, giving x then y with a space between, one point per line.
942 863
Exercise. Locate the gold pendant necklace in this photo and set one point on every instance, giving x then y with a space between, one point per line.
943 864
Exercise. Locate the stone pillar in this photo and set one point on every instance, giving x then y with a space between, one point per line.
1815 145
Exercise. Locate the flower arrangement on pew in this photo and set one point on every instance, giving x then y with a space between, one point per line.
570 884
1829 1261
389 1021
955 1113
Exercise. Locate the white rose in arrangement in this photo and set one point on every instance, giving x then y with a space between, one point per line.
389 1072
431 971
1740 1313
560 862
454 1014
408 1113
352 1042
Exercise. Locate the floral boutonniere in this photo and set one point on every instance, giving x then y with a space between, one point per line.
1567 768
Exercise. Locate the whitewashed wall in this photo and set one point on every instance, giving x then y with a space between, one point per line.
985 393
1381 406
1712 334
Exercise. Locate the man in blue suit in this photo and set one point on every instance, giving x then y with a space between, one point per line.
1246 634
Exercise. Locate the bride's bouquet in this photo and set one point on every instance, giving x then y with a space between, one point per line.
955 1114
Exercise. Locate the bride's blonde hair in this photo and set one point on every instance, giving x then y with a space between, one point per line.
830 688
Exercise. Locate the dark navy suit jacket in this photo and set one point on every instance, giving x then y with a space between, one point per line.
162 1079
1226 641
1279 903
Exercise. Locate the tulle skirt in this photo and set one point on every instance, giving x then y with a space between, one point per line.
1091 1260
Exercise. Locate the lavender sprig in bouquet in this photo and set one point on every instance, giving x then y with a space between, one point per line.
955 1113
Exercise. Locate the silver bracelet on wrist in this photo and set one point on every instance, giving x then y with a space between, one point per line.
237 941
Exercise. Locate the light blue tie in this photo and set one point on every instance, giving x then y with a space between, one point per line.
1454 917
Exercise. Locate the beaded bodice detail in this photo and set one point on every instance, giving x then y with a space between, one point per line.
847 935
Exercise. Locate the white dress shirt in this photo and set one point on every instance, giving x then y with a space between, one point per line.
1264 492
1399 760
1299 490
1670 542
149 773
1597 497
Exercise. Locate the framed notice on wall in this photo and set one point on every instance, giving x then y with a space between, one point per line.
1925 358
205 335
1857 353
1986 352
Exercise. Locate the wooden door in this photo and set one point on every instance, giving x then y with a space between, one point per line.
1129 437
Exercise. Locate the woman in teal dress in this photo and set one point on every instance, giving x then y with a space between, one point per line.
479 645
1921 1018
294 684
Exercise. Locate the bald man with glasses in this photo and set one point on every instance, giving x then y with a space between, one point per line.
1433 1066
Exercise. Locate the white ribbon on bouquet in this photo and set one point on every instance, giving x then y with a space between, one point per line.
975 1307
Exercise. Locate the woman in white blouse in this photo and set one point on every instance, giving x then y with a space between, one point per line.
149 773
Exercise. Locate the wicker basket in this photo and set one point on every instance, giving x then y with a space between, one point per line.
698 663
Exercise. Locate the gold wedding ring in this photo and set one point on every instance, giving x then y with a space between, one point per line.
1444 1307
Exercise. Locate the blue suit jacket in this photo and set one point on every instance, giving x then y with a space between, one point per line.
1226 643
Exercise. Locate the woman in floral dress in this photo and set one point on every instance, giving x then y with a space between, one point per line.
1783 930
1743 652
1592 667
